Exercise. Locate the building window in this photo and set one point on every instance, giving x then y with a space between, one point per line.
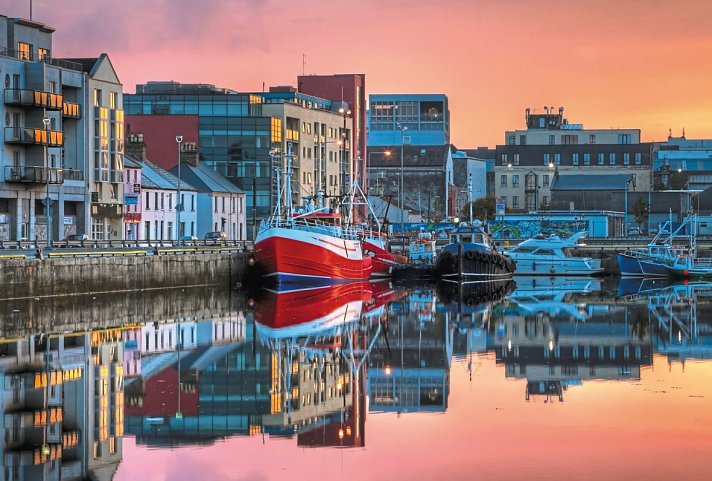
552 139
601 159
114 100
612 158
42 54
515 201
515 160
542 122
545 200
515 180
575 159
504 159
547 159
569 139
545 179
148 204
592 139
626 158
503 181
624 139
511 140
638 158
557 159
586 159
523 140
24 51
97 97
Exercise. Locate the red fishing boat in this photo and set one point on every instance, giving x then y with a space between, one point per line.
309 247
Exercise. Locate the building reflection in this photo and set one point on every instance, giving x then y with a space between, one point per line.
553 343
62 405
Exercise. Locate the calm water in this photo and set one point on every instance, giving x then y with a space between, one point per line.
550 379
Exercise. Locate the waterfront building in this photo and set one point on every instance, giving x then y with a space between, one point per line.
158 190
469 178
318 134
349 89
133 202
104 123
425 173
481 154
530 159
44 142
231 133
690 159
415 119
220 204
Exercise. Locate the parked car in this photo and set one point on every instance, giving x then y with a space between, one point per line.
216 236
77 237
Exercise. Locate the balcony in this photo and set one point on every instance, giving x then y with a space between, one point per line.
29 135
36 175
33 98
71 110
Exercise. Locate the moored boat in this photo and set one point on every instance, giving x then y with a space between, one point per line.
471 256
551 255
311 246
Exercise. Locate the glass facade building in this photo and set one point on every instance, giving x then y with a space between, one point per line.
233 137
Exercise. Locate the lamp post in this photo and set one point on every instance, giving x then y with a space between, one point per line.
625 216
48 208
387 154
402 129
179 203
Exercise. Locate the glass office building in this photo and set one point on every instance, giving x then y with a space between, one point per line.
233 137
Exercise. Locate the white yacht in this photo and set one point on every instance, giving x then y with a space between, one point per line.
551 256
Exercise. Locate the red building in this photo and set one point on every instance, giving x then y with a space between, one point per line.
159 133
349 88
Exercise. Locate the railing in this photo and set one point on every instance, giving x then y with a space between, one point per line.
35 175
109 248
29 56
33 98
29 135
73 174
71 110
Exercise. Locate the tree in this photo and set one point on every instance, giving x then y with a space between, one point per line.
481 207
678 180
641 211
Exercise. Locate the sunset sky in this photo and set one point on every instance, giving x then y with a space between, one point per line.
611 63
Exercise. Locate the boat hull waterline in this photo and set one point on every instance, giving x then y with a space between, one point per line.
292 256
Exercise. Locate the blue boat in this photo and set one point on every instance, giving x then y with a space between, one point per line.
671 253
472 256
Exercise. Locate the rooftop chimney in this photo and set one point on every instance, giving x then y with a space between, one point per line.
136 146
189 154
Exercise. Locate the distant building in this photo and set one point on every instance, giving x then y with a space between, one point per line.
349 88
690 158
220 204
231 133
550 146
416 119
133 204
159 198
426 174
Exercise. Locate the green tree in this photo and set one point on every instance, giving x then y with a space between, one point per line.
482 207
678 180
641 211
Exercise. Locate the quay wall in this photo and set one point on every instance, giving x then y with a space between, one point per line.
76 275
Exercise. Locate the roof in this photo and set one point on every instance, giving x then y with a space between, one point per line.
590 182
154 177
206 179
86 63
131 164
413 155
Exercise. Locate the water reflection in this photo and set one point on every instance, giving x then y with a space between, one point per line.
180 367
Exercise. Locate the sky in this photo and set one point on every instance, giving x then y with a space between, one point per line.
610 63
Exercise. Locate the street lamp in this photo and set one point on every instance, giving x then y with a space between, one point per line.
403 130
628 181
48 209
381 175
179 202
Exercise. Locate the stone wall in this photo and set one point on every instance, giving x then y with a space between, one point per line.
62 276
